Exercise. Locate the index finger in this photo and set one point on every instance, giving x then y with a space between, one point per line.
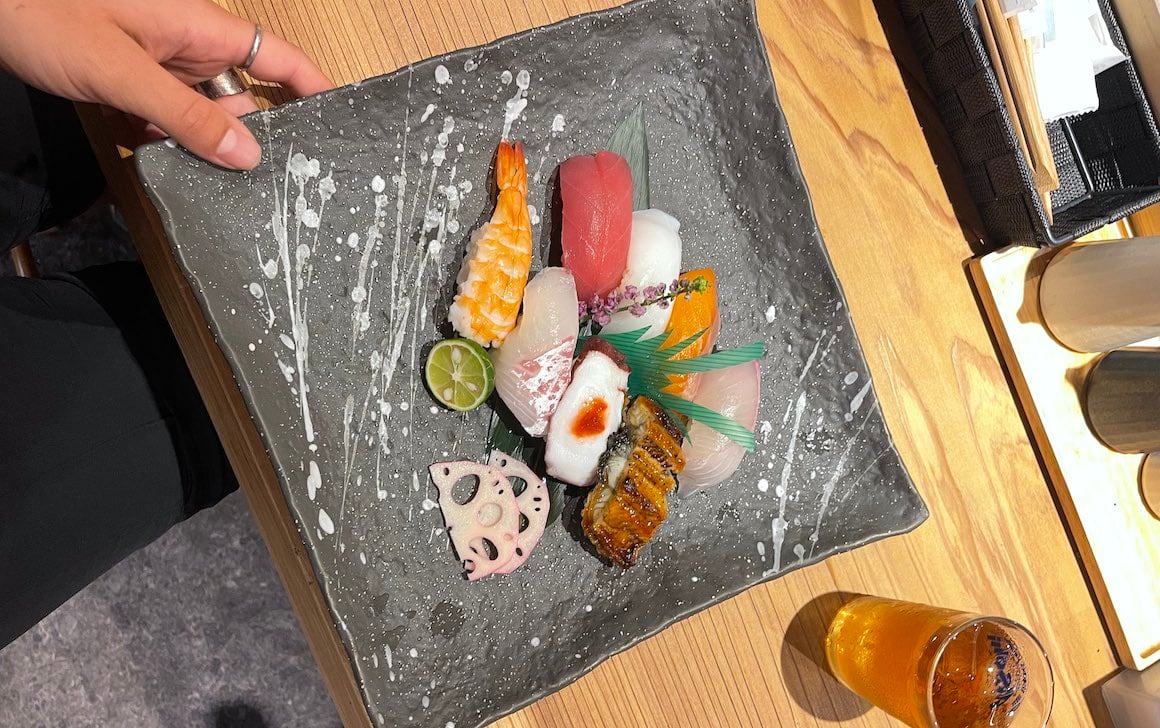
285 63
278 60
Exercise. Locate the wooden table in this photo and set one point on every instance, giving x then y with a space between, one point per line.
994 542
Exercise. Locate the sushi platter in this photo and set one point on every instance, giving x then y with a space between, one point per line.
547 355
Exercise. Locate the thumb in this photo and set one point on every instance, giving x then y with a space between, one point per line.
197 123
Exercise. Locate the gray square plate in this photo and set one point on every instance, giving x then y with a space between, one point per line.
326 273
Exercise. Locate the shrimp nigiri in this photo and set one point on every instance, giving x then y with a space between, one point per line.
499 256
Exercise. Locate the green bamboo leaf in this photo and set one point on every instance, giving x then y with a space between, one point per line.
730 428
555 498
671 351
717 360
507 436
631 142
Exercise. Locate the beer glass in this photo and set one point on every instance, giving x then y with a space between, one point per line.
940 668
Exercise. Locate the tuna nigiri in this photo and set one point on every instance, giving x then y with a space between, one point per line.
495 270
596 221
710 457
534 365
654 259
592 409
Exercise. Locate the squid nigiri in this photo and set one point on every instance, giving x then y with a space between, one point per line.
499 256
590 411
596 221
654 259
710 457
534 365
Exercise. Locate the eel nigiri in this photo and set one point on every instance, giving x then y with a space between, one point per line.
589 412
499 256
596 221
654 259
710 457
534 365
625 509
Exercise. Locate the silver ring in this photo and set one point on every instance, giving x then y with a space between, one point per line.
227 83
245 65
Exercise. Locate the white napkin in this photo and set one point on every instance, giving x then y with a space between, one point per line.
1072 44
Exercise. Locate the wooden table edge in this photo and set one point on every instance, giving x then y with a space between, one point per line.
240 438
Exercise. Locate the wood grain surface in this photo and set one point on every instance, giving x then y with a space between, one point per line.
994 542
1118 537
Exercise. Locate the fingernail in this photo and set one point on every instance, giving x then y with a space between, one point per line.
240 151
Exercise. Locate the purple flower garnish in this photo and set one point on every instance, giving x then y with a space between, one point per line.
637 310
612 301
582 309
631 292
663 303
675 286
602 318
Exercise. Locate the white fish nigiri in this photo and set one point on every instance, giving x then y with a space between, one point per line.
534 365
590 411
710 457
654 259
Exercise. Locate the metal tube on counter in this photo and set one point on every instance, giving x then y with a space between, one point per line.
1150 483
1102 296
1122 400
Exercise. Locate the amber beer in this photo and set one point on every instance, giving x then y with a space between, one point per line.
940 668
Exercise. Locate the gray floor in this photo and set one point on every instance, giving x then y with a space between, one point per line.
194 630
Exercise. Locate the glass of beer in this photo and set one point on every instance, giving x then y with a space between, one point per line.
939 668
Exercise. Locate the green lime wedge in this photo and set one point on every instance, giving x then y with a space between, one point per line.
459 374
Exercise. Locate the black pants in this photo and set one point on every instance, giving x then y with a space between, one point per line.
104 442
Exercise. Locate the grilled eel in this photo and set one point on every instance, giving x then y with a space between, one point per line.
630 499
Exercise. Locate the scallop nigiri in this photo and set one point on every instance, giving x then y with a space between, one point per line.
654 259
589 412
534 365
710 457
499 256
596 221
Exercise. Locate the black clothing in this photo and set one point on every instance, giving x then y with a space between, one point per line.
47 171
104 441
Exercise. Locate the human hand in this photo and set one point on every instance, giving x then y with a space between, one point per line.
142 56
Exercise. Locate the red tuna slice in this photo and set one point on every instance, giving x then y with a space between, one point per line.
533 503
491 514
596 221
